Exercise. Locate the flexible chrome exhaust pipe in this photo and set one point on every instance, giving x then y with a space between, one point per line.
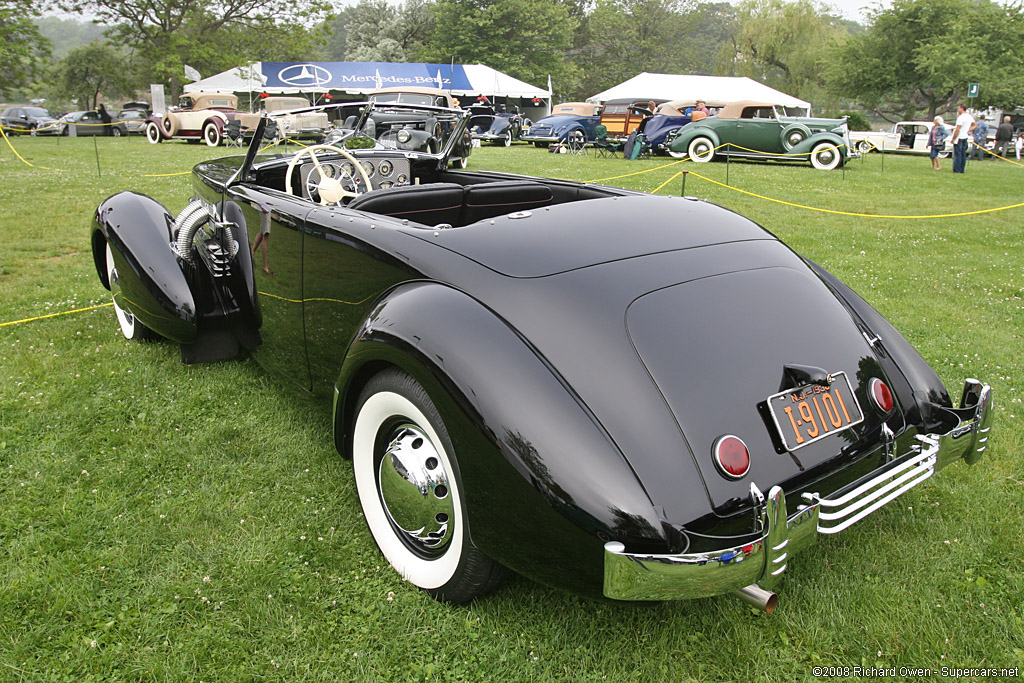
758 597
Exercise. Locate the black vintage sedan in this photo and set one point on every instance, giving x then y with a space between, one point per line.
528 378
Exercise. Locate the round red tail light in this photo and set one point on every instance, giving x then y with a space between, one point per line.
881 396
731 456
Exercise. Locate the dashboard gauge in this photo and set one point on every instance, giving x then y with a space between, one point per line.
367 166
385 168
348 169
402 179
385 185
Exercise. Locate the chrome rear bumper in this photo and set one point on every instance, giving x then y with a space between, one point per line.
763 560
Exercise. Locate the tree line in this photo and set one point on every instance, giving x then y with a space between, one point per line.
910 60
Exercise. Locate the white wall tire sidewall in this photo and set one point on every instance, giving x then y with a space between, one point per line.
126 322
153 133
694 147
822 166
423 573
211 135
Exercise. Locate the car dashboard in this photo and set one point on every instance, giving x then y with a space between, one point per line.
383 172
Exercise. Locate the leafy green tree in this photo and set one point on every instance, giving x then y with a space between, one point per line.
67 34
784 44
90 70
628 37
210 36
335 29
22 47
527 39
380 32
919 55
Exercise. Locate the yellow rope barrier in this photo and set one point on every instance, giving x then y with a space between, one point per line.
54 315
858 215
8 141
990 152
659 187
773 154
649 170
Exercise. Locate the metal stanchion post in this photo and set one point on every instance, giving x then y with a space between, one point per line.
682 192
97 149
727 155
882 152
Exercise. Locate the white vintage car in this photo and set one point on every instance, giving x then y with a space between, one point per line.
303 124
905 136
198 116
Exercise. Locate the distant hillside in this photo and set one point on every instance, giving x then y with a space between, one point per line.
67 34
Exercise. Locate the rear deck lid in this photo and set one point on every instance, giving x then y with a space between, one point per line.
717 349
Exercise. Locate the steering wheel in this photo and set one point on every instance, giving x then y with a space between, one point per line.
329 187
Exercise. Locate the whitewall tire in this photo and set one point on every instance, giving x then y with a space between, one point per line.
153 133
211 134
130 326
826 156
701 149
410 491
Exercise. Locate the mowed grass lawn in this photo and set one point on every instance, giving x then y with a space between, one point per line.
163 522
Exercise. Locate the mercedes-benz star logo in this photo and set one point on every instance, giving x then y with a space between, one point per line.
305 75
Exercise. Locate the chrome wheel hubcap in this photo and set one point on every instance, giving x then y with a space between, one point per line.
415 489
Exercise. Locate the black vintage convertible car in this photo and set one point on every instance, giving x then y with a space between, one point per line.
529 378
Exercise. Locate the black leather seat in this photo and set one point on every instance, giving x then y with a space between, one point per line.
427 204
488 200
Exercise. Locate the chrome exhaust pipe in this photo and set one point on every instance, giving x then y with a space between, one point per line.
758 597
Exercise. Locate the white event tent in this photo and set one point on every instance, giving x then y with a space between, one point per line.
353 79
716 91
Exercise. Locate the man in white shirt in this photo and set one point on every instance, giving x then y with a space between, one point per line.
961 134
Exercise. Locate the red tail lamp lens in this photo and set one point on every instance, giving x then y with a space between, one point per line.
731 456
881 395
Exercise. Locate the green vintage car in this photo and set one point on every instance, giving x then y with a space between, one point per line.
759 130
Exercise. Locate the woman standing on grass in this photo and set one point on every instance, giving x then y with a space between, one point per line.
937 141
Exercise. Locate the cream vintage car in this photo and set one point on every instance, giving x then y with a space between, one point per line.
198 116
905 136
299 124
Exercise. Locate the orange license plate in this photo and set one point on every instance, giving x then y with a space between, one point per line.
810 413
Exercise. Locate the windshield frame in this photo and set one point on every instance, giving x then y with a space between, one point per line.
460 119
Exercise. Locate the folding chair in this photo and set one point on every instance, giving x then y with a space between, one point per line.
576 143
270 133
604 146
233 133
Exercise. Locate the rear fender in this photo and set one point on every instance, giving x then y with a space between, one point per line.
545 487
898 357
151 283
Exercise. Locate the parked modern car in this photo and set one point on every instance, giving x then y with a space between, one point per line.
84 123
761 130
904 137
604 390
134 120
32 120
569 118
304 123
199 116
499 127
